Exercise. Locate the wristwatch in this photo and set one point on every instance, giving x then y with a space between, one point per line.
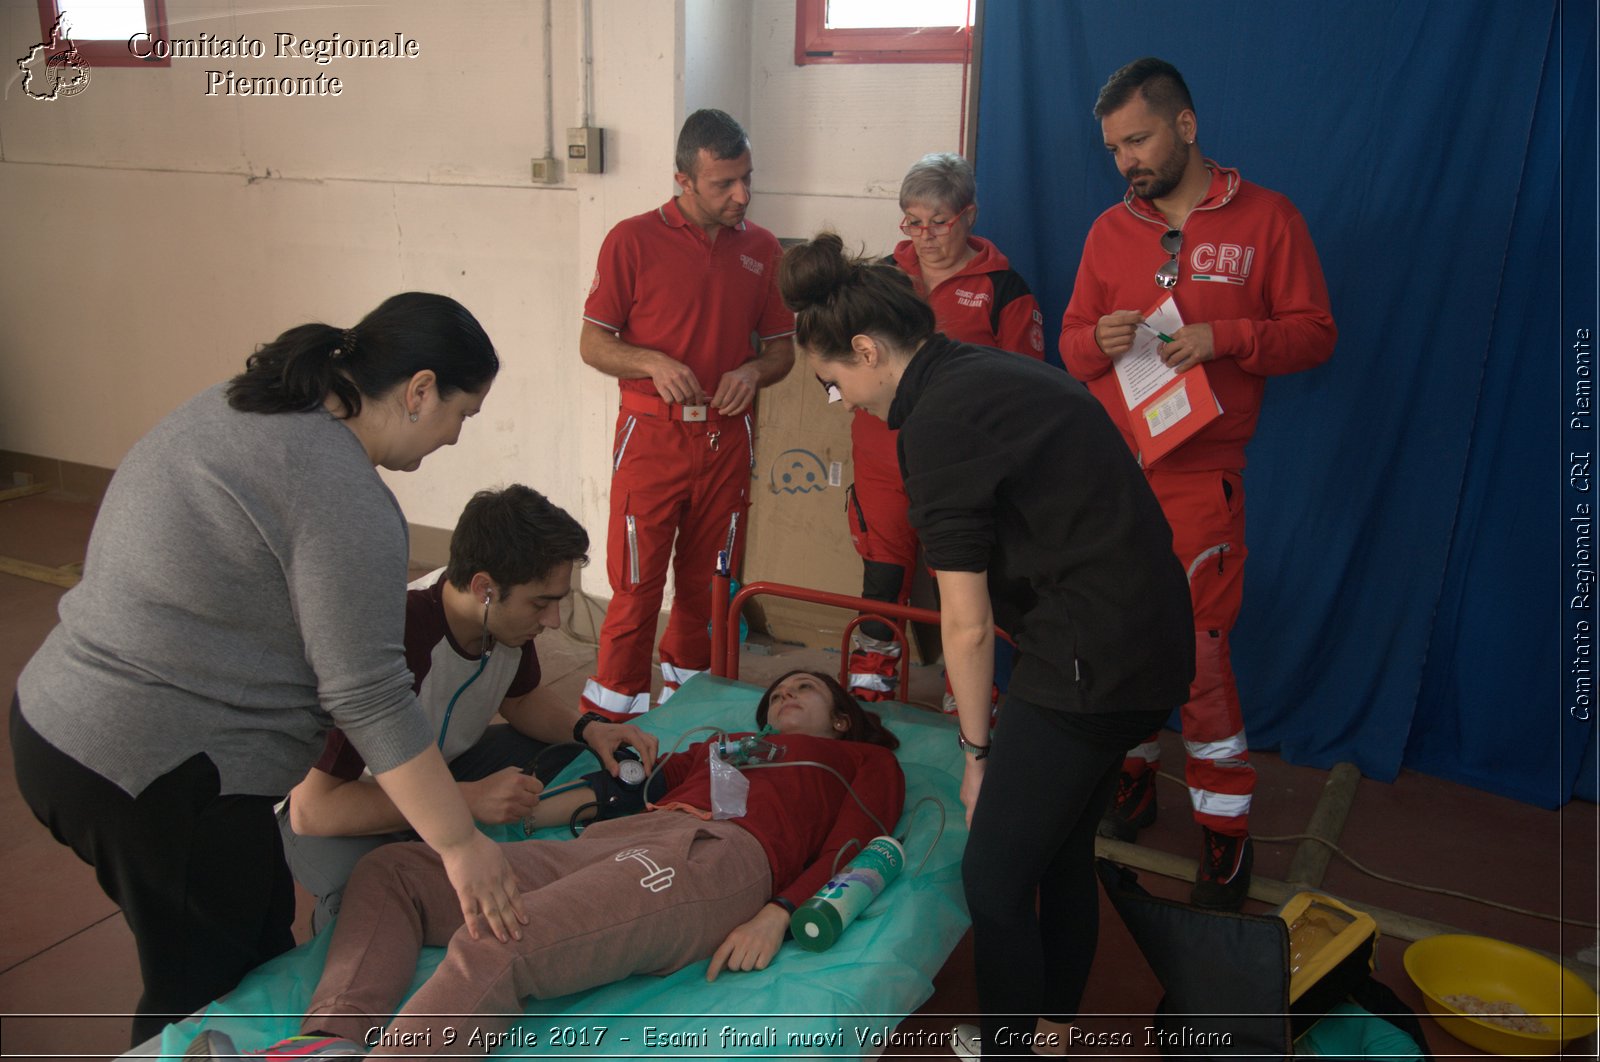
583 722
976 751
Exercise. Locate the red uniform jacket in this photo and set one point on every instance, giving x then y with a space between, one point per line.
1247 268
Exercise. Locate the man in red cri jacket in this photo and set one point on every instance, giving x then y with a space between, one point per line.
1237 262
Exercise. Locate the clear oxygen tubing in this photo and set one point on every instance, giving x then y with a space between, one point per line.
677 746
938 835
847 787
845 850
722 738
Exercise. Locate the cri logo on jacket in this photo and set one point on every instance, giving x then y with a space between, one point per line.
1223 263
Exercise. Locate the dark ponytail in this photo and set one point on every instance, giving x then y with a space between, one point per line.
405 335
835 296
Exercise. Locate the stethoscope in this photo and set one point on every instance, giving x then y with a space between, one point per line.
485 648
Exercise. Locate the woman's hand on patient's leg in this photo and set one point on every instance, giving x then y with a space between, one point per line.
488 889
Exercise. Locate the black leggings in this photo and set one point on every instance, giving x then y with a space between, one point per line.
199 876
1029 863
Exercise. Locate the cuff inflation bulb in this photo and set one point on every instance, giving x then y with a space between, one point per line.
817 923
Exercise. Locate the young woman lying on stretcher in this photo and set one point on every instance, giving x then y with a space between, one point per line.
645 893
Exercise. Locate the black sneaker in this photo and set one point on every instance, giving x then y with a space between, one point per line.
1223 880
1133 806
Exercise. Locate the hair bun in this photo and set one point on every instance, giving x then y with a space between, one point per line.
812 273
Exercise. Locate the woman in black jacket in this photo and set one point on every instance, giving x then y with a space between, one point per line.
1034 516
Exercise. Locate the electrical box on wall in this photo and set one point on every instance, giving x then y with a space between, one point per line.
584 151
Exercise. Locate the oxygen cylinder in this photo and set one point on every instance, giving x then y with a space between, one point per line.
817 923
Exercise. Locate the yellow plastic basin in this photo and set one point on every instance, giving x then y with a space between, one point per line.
1494 971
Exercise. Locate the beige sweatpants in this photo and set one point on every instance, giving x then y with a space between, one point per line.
649 893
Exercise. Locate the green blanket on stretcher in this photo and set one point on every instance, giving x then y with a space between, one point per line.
843 1002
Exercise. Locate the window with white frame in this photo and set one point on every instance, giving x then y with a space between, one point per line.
882 31
109 32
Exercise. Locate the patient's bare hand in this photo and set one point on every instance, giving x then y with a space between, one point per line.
752 945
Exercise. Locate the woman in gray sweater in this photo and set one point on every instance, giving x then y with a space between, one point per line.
244 590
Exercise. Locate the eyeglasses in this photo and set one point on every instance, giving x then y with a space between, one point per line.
937 228
1172 243
831 390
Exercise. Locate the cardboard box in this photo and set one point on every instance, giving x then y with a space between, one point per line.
798 533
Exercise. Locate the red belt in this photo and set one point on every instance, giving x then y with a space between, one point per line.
653 406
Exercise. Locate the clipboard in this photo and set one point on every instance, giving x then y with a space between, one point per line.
1165 409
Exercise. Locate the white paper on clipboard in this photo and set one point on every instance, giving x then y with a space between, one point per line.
1140 371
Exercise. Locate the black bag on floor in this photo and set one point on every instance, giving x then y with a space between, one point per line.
1226 977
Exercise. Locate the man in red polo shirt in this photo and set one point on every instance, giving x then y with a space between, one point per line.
685 312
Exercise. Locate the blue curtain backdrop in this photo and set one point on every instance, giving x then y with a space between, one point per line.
1408 592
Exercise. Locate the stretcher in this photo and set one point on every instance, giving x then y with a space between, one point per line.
844 1002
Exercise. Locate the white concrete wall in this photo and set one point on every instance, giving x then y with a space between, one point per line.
837 139
172 231
155 235
716 57
638 101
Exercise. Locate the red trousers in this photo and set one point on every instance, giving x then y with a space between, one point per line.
878 513
1206 511
672 481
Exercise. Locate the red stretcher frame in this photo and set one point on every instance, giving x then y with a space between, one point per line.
725 624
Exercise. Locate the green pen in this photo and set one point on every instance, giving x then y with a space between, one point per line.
1158 334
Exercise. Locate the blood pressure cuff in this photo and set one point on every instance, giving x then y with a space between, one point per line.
614 798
